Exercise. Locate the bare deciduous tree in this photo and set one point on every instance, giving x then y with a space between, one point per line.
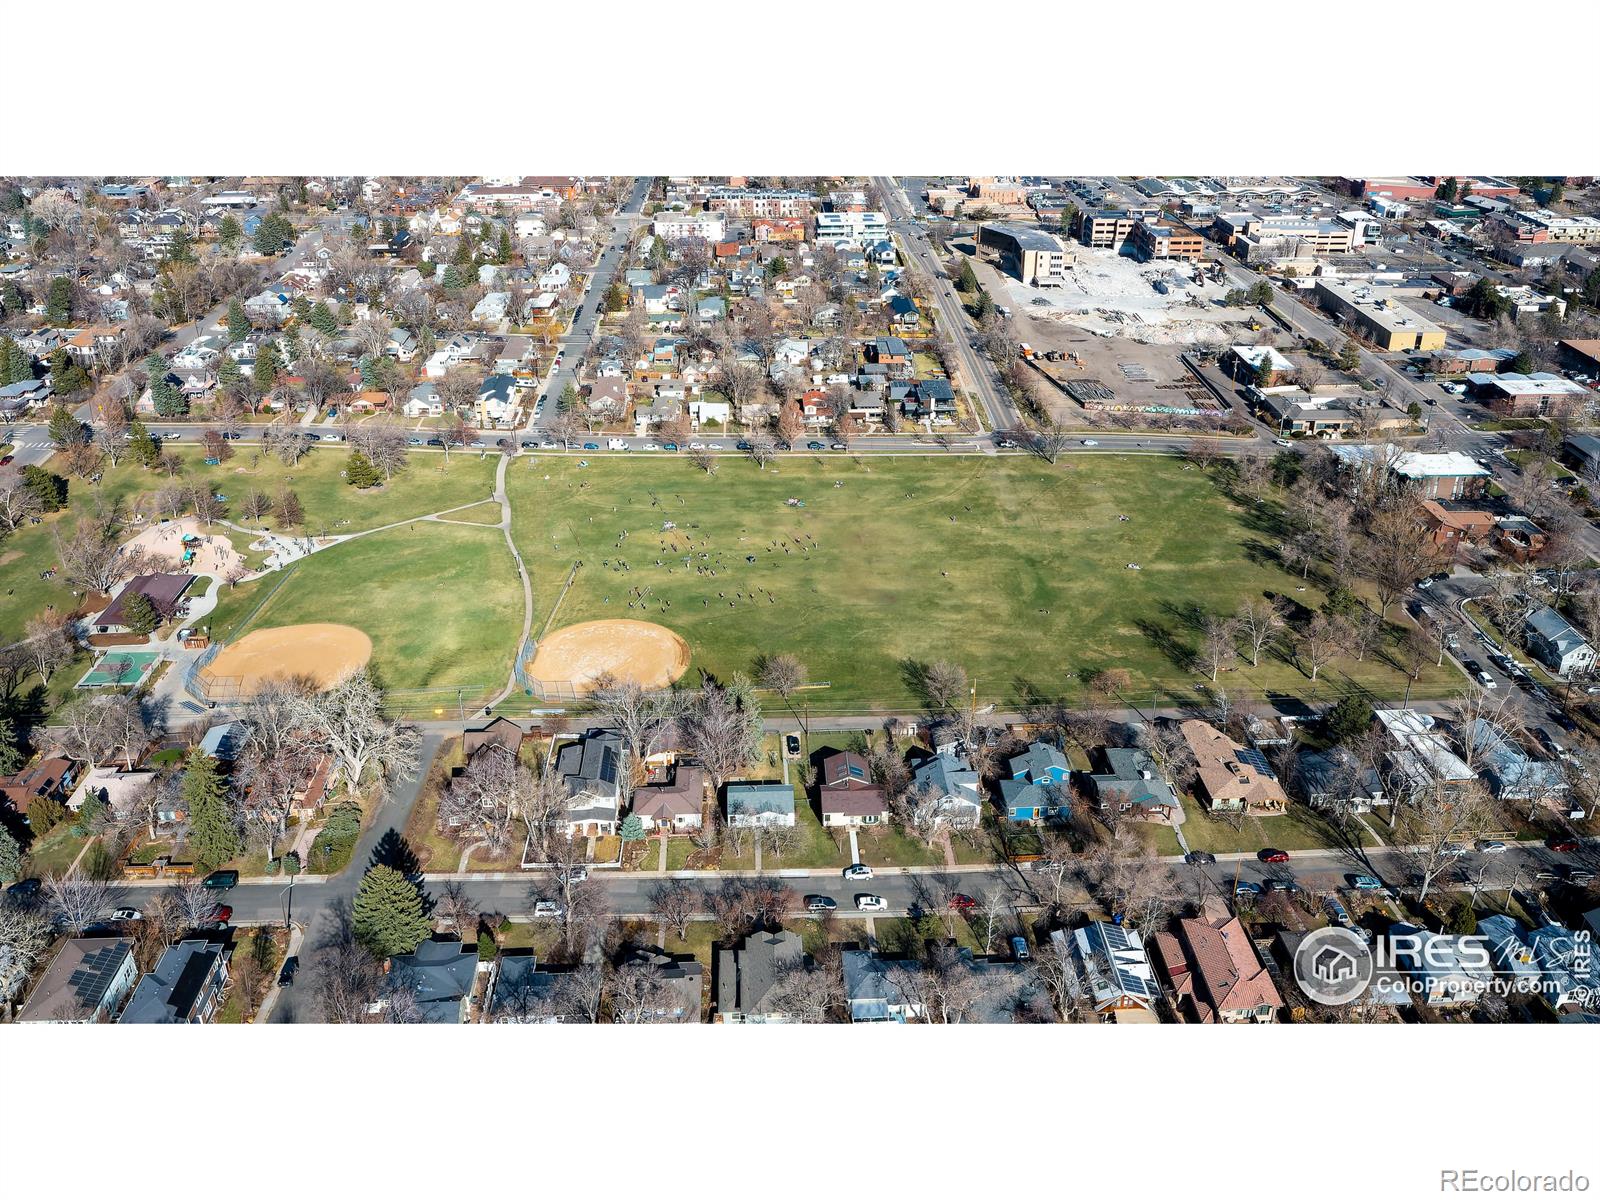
78 901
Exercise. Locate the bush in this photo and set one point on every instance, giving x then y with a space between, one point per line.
336 841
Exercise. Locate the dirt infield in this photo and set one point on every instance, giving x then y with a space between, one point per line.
650 654
324 652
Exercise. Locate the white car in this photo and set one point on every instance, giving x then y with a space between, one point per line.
1487 680
716 446
546 908
1285 442
126 914
697 445
858 871
1492 847
650 446
866 902
1090 442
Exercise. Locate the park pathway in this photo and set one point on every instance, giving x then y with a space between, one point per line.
522 574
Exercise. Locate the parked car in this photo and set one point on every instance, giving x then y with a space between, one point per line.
1197 858
962 901
576 874
591 445
1273 856
1282 885
1579 876
867 902
286 972
838 446
815 446
1492 847
1019 949
1090 442
1245 888
792 744
24 889
1487 679
527 444
821 904
669 445
858 871
1563 845
220 881
1365 883
126 914
742 445
436 441
546 908
220 915
697 445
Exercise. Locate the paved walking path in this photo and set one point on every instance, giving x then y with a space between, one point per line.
522 574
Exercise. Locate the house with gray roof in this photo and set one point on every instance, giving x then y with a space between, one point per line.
590 768
86 983
525 993
184 989
871 990
1130 782
1335 778
747 973
955 785
1113 966
760 804
438 977
683 984
1512 771
1554 642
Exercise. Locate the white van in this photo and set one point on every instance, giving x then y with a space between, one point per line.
616 444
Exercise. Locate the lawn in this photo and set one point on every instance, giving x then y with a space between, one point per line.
1299 829
440 602
426 485
487 513
1014 568
52 854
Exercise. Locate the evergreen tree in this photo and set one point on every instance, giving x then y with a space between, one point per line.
141 445
360 473
966 280
1446 190
1348 719
985 306
164 394
1349 355
451 280
388 914
1522 363
369 373
181 250
632 829
65 429
15 365
463 253
48 488
1557 193
230 234
10 298
58 306
238 322
301 307
213 837
11 756
267 369
140 615
273 235
322 319
10 857
502 253
568 399
230 373
616 299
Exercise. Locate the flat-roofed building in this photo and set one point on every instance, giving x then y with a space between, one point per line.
1383 321
1032 255
863 227
1157 239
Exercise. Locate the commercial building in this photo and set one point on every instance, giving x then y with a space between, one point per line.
761 202
1153 239
1540 225
1257 237
1110 228
1450 475
863 227
1535 395
1033 256
1409 187
1382 321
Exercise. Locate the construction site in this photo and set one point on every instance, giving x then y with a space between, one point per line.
1094 375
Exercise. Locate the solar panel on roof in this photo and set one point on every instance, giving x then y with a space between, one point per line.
1252 757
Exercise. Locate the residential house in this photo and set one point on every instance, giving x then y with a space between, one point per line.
1519 539
1514 774
497 401
402 345
1231 777
437 977
591 769
872 991
272 306
85 983
1449 969
608 397
500 732
759 805
1129 782
555 277
903 313
523 993
1114 968
746 975
491 310
1581 450
1214 971
1336 779
24 394
925 400
1455 527
118 789
704 411
1420 756
184 989
1554 642
423 401
1037 789
674 801
683 981
49 778
846 793
956 788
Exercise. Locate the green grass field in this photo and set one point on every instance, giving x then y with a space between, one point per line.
1014 568
426 485
440 602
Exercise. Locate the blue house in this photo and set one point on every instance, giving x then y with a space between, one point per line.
1037 789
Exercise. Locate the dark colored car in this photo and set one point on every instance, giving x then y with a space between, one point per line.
220 881
529 445
780 444
286 972
815 446
962 901
1282 885
792 744
1273 856
1566 722
669 445
1563 845
1199 857
741 445
24 889
821 903
591 445
436 441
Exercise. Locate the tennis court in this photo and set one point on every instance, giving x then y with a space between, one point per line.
120 668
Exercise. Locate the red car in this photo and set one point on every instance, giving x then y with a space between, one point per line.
1273 856
1563 845
221 914
961 900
